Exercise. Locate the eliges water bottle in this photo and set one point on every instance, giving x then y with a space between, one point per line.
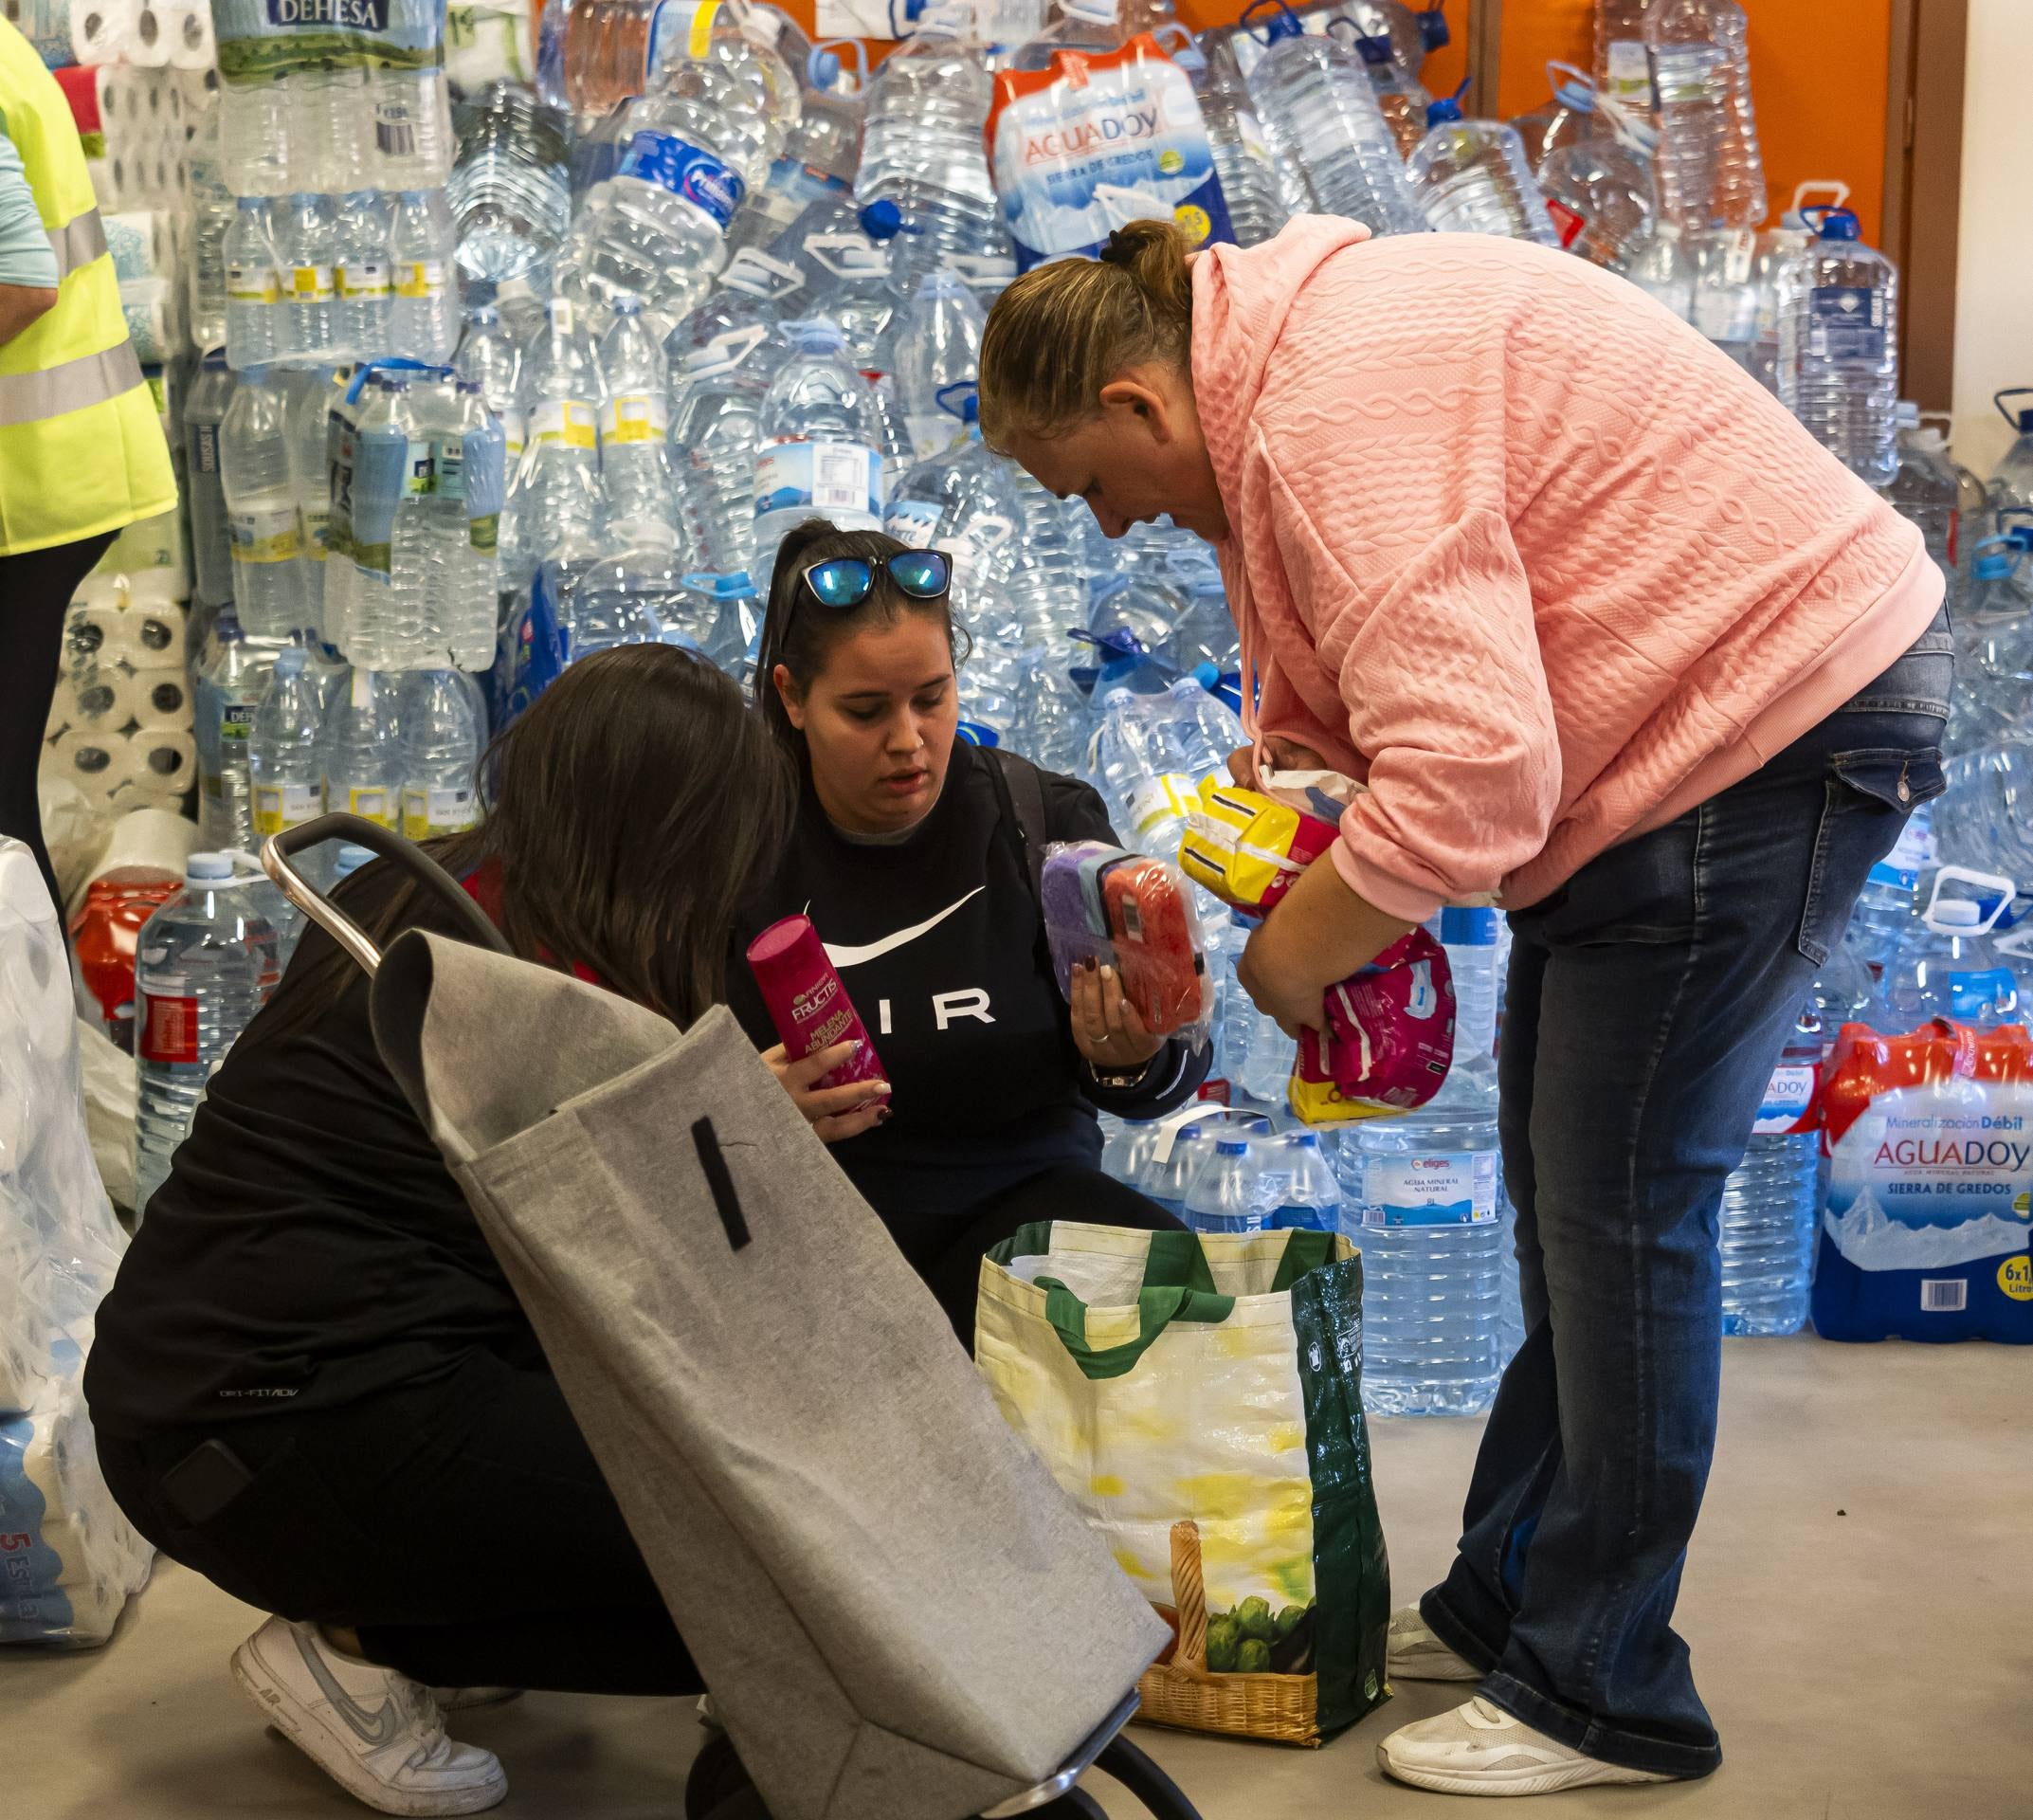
715 430
282 749
1710 170
1429 1185
424 315
361 743
1770 1200
1838 348
819 453
365 279
254 334
441 746
227 684
1319 115
270 585
557 491
635 462
205 963
307 252
211 550
1472 178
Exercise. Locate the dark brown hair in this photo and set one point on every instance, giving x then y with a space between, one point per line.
1062 332
631 807
800 631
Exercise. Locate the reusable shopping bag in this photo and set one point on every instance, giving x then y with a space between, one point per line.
1199 1397
897 1614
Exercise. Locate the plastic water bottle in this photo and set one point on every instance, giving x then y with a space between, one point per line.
1235 136
921 145
1205 632
961 501
1770 1200
939 344
1472 178
1430 1190
470 494
228 682
1224 1195
715 430
382 620
1711 172
510 192
1598 192
1168 1179
820 152
1946 967
362 748
441 745
254 330
487 354
282 749
635 421
1661 266
270 585
423 315
1297 1184
364 280
421 541
308 391
620 598
1151 753
1623 60
1927 489
819 451
559 474
211 551
307 252
1568 119
1838 348
1320 114
404 134
205 962
211 219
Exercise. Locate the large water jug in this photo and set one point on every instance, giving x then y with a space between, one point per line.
939 344
510 191
1927 489
1711 174
1838 348
819 453
1945 966
1770 1200
1471 178
1242 155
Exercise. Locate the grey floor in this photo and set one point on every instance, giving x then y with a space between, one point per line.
1855 1600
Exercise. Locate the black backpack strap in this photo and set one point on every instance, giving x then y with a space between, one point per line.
1020 793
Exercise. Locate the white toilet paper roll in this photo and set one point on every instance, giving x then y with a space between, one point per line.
99 697
154 309
162 765
100 589
148 843
191 44
156 635
92 635
159 590
100 30
149 47
144 244
97 763
199 85
161 701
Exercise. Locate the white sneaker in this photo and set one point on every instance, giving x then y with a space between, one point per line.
463 1700
1477 1750
1412 1652
378 1732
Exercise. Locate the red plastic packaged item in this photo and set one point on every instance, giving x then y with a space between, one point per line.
1388 1041
1102 904
103 934
808 1003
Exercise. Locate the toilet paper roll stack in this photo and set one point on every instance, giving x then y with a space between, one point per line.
133 126
131 769
121 722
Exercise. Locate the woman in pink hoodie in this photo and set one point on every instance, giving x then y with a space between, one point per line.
1614 643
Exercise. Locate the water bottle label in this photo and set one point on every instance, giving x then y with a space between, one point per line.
317 530
253 284
564 423
168 1027
236 718
1430 1191
1250 134
1471 927
417 279
1629 69
1568 222
1095 141
448 466
1793 1101
828 477
1982 994
914 522
515 432
635 417
374 802
1846 322
932 431
204 447
268 534
396 124
1155 801
686 171
437 810
364 280
310 284
1914 847
281 806
420 471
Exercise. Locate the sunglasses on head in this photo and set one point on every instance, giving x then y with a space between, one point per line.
846 581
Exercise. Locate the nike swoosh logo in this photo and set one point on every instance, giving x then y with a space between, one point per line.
889 944
375 1729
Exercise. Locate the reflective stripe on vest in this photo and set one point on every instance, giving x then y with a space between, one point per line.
78 243
90 379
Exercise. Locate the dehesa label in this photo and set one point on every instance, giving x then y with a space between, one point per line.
354 15
686 171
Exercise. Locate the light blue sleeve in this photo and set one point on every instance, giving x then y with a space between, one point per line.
26 255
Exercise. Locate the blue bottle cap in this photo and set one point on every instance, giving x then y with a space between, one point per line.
1841 224
1446 108
1374 51
1231 1146
881 220
204 868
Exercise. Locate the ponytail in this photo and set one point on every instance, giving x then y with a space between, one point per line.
1062 331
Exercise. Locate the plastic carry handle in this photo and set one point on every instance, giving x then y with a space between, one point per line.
2013 418
1990 883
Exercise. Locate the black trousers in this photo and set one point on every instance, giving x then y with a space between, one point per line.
462 1527
34 590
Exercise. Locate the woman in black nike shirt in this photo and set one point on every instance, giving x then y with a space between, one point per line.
911 857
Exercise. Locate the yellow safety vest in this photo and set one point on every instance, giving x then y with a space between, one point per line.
82 449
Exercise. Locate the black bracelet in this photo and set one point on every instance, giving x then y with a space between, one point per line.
1124 1083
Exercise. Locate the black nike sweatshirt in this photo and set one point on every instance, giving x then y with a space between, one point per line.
939 943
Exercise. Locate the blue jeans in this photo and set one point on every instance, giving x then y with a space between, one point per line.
1648 999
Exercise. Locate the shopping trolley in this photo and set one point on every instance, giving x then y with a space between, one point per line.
439 1007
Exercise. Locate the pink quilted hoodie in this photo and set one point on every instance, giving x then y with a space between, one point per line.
1522 551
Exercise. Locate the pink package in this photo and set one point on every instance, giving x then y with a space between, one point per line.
1389 1038
808 1003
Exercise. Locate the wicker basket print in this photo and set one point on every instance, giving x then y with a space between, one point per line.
1186 1693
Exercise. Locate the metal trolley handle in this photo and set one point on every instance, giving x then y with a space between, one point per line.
279 849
